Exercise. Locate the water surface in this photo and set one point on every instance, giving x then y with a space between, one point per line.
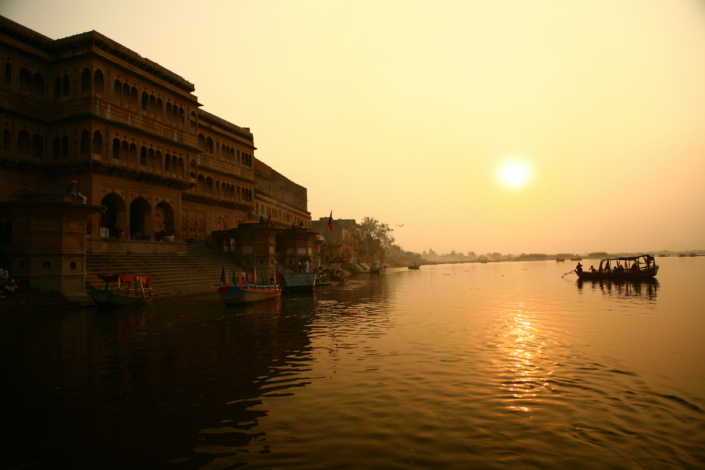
498 365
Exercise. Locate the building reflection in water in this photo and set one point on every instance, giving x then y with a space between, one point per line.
644 289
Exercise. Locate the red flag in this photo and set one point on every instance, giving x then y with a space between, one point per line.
330 221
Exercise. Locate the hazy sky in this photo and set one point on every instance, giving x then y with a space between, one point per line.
405 110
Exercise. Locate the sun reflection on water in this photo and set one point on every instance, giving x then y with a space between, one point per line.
523 378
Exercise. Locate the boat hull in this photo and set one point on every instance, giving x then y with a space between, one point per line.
641 274
298 282
234 295
109 298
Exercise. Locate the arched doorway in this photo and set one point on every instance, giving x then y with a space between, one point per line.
141 226
113 216
163 221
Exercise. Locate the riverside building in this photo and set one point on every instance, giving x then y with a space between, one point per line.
132 135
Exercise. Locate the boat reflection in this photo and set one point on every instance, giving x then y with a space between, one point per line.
645 289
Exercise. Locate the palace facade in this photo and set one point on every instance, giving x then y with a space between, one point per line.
133 136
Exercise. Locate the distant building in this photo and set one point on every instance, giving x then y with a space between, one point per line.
348 241
133 136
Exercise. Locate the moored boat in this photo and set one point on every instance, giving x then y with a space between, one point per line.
121 290
623 267
237 295
298 282
246 290
414 266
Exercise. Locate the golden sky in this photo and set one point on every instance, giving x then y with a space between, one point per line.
406 110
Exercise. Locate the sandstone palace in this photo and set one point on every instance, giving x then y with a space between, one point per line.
132 135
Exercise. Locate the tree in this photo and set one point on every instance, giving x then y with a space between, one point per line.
378 230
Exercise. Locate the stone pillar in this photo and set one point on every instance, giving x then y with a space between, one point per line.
49 242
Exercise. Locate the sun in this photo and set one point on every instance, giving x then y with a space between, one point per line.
514 173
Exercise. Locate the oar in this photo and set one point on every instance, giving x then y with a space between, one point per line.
567 273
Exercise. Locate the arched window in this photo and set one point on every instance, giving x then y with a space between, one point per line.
37 146
201 142
133 153
167 162
64 147
57 88
65 86
125 94
145 101
152 104
116 149
85 81
209 145
134 99
98 81
125 150
158 160
25 79
38 84
85 143
23 142
159 111
143 156
97 143
150 158
117 91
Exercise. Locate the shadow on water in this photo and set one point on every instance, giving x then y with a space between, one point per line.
138 387
644 289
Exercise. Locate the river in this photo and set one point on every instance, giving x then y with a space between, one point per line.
483 366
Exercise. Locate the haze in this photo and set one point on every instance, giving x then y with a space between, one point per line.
406 110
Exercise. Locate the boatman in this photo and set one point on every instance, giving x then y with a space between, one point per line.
579 268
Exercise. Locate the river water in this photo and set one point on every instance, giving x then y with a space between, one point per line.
482 366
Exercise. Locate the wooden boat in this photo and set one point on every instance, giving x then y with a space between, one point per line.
121 290
414 266
298 282
624 267
246 291
247 294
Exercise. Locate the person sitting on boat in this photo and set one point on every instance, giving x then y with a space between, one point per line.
592 269
579 268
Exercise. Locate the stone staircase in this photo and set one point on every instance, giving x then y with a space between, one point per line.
195 272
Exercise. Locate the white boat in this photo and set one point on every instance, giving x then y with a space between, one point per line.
298 282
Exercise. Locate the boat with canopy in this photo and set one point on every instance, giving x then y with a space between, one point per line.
121 290
622 267
248 288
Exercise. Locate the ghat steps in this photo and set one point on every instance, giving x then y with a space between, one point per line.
171 274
